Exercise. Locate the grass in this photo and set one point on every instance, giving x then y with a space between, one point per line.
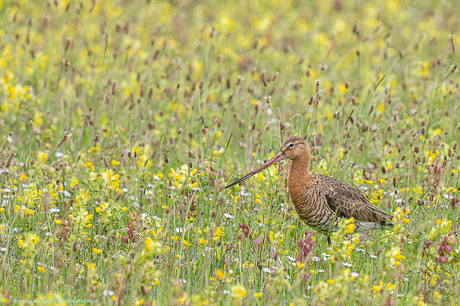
122 122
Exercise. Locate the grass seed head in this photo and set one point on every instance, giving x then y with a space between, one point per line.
66 136
106 163
8 162
263 78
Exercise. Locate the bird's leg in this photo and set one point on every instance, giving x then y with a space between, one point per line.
329 240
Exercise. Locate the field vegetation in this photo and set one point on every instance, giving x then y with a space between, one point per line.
122 121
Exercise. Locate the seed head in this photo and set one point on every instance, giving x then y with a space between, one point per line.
66 135
353 100
66 65
278 113
263 78
372 108
8 162
106 163
452 42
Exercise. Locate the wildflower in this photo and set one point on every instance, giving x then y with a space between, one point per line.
220 274
238 293
97 251
218 234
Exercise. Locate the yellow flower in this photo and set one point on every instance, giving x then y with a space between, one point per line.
220 274
238 292
115 163
299 265
218 233
41 269
97 251
350 228
137 150
58 221
36 239
185 242
330 281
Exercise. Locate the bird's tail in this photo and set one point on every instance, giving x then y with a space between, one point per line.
386 221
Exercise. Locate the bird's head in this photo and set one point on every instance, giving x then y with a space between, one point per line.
292 148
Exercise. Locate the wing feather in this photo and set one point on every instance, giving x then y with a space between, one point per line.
348 201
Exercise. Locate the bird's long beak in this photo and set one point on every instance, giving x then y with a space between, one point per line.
278 157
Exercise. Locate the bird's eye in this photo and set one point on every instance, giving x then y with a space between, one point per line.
291 145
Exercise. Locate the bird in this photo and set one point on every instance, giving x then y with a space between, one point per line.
321 201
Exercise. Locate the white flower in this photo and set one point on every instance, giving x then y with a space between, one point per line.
268 270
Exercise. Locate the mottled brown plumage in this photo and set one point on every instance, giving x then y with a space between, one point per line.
320 200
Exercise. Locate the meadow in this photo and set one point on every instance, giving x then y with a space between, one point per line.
122 121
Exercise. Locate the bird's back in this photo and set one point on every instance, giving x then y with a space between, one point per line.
322 200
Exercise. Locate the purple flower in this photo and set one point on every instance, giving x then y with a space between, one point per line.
442 259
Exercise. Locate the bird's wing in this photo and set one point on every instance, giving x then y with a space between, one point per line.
348 201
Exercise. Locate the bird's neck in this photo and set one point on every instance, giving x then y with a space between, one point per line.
299 174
